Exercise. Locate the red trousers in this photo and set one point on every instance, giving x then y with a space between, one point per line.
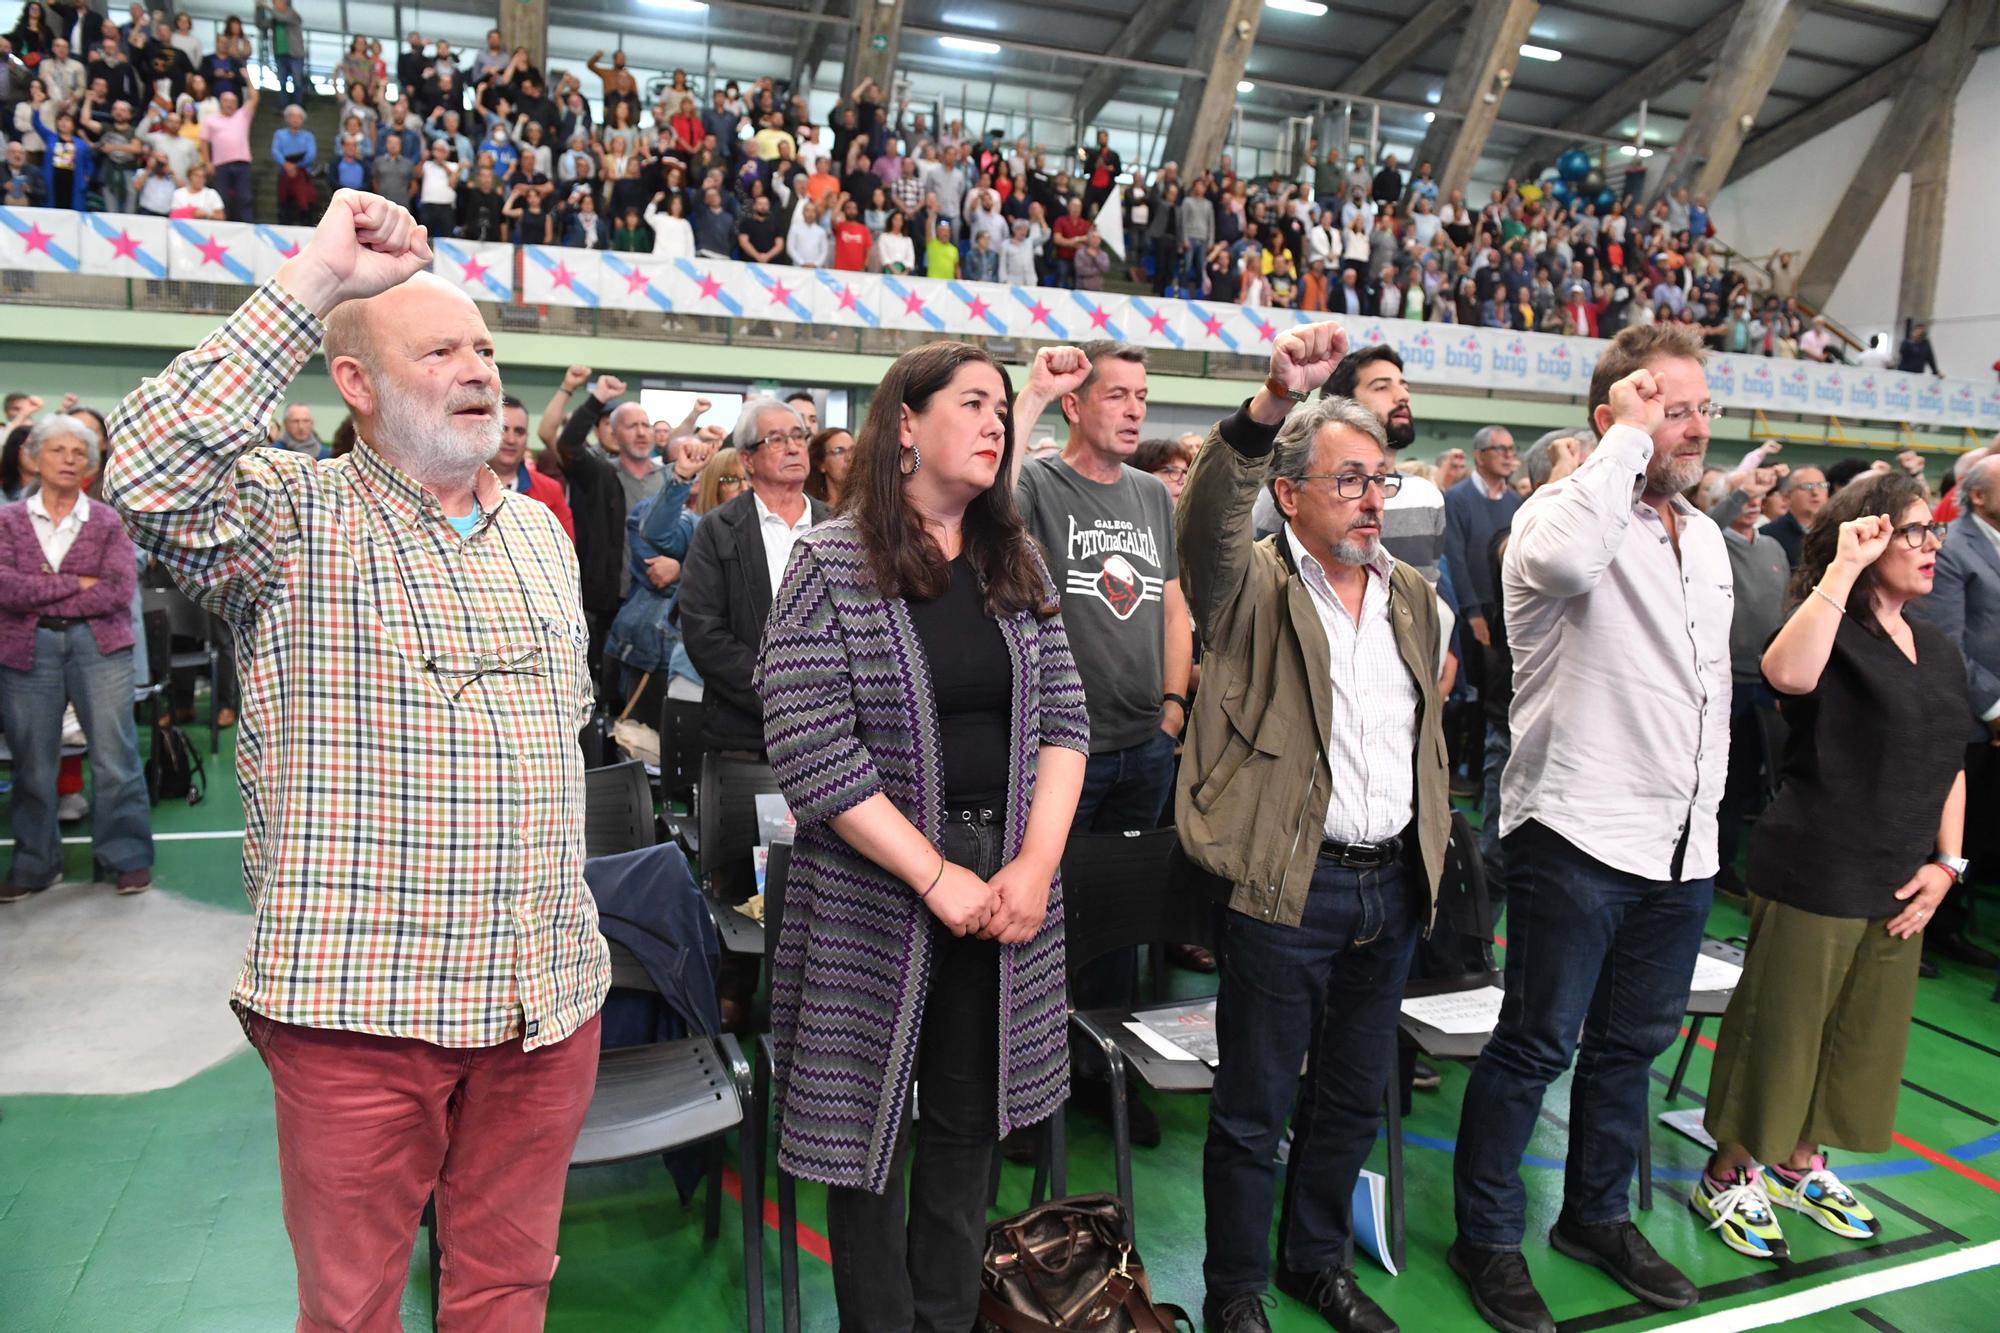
369 1127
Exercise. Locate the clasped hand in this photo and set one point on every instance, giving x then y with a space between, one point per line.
1007 908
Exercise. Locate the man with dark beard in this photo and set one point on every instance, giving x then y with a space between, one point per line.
425 971
1618 603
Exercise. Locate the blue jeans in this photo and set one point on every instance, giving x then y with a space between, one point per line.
291 79
69 669
1331 986
1126 789
1587 947
1499 748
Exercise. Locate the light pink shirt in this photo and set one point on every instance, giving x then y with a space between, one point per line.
228 136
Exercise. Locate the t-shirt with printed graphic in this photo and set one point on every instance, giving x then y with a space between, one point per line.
1111 552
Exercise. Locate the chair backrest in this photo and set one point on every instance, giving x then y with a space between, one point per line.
185 619
680 745
618 809
1118 894
1462 939
157 617
728 799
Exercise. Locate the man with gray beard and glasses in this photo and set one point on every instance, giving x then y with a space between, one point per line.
1618 599
425 971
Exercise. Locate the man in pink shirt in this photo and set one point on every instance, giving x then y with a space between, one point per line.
227 138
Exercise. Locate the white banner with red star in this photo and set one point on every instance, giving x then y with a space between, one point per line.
125 246
485 272
57 241
40 240
553 275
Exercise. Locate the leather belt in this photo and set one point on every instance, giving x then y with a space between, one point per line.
1362 855
980 816
59 622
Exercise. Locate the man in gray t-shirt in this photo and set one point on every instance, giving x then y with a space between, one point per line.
1108 532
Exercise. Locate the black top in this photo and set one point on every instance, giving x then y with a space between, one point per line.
973 678
1869 760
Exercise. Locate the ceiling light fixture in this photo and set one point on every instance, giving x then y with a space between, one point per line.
1310 8
1430 116
970 45
1245 86
1534 52
680 6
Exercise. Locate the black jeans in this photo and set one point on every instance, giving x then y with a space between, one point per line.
1330 987
891 1271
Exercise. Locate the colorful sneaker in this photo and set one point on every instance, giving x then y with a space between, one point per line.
1818 1193
1739 1212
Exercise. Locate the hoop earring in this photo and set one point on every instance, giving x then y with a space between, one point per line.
915 461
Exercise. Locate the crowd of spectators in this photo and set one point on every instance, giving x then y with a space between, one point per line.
487 147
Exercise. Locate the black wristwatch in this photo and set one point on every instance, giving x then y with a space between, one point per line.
1180 699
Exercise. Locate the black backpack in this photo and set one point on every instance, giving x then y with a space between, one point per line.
174 769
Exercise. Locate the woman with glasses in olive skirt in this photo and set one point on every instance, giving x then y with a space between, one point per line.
1846 868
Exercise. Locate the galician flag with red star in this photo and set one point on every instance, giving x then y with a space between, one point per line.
200 251
555 275
483 272
40 240
125 245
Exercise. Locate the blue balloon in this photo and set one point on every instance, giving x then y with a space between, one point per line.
1561 190
1605 199
1573 165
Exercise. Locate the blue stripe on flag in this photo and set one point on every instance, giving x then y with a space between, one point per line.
1110 329
1166 329
770 284
966 296
1031 304
841 289
903 294
139 255
722 298
61 256
229 263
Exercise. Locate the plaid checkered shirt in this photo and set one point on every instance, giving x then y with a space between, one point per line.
412 785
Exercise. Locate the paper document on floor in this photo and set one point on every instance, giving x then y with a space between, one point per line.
1459 1013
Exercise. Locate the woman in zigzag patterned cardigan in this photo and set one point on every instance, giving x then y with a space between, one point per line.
925 720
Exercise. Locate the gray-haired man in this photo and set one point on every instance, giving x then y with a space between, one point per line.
734 564
1334 848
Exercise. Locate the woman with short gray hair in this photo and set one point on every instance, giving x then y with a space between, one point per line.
67 572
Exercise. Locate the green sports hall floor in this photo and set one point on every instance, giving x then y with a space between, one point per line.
161 1211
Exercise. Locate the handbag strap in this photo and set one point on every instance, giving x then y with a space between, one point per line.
637 690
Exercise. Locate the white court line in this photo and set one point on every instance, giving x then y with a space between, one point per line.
1847 1291
84 841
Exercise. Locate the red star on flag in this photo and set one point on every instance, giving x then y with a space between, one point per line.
36 239
913 304
213 251
636 282
780 293
562 277
847 298
711 289
1038 313
1099 319
123 246
1212 324
1158 321
288 251
978 309
474 270
1267 332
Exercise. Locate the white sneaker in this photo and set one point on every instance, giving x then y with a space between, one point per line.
72 807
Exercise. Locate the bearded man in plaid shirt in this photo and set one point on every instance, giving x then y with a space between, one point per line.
425 972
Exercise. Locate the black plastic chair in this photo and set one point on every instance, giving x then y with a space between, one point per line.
775 875
189 623
618 809
727 817
1123 891
680 770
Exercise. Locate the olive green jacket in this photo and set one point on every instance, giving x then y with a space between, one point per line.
1255 779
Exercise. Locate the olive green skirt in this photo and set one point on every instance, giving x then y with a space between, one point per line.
1811 1050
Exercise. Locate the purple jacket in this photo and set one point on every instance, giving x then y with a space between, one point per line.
28 590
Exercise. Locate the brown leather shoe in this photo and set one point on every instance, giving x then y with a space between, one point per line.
10 892
135 881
